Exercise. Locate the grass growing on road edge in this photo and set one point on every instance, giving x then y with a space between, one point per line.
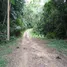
34 35
5 49
60 45
3 62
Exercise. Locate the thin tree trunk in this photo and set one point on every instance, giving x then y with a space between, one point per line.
8 24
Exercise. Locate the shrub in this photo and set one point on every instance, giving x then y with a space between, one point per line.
51 35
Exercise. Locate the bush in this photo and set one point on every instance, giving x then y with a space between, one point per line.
51 35
16 27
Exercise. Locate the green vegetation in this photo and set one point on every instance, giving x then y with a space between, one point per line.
2 62
16 16
7 48
31 13
60 45
48 20
16 23
3 12
34 35
16 28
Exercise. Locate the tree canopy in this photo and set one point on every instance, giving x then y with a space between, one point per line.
53 22
48 18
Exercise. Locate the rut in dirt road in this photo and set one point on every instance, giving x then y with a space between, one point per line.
33 52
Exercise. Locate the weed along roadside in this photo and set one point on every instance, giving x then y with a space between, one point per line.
7 48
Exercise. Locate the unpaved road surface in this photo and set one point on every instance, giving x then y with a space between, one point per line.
33 52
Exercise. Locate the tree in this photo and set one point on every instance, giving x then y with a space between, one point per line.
8 20
31 13
15 15
53 22
3 19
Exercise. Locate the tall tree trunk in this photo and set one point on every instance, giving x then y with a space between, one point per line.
8 18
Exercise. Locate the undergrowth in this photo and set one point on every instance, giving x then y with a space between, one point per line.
6 48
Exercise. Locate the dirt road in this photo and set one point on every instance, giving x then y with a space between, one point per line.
33 52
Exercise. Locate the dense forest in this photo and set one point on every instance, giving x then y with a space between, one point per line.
16 13
3 14
53 22
48 19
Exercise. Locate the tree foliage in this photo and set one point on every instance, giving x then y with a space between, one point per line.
15 17
31 13
53 21
3 15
